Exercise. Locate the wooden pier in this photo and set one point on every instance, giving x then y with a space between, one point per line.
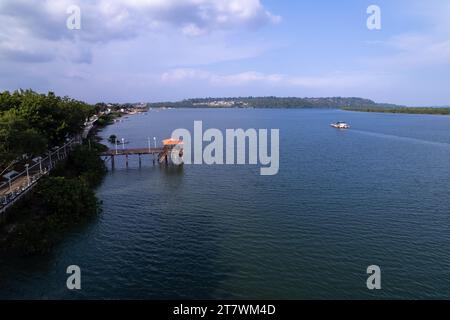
162 153
138 151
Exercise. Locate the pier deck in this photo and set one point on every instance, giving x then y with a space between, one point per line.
161 153
137 151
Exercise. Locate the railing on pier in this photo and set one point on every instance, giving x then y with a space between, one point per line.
136 151
19 185
163 154
88 126
112 153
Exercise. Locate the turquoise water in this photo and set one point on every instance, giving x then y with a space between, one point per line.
342 200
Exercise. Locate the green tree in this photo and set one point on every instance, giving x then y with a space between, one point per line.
85 163
31 122
67 199
17 138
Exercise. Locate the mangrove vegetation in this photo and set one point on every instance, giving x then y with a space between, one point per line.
30 124
404 110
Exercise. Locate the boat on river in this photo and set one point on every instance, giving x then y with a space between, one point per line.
340 125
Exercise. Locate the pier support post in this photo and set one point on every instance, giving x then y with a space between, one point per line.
50 161
140 160
112 163
126 156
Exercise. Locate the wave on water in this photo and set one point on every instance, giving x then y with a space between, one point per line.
401 138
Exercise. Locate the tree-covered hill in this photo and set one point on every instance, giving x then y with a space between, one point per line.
273 102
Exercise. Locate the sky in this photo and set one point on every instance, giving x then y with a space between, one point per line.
168 50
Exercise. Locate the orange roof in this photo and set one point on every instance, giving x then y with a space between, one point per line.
172 142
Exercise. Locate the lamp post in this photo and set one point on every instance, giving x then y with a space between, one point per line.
50 160
154 140
123 144
28 173
40 165
149 145
117 152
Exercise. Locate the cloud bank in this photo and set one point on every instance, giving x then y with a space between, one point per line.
130 50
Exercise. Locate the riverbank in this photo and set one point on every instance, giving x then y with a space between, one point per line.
61 200
404 110
64 199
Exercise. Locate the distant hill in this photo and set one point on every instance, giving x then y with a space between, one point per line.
405 110
274 102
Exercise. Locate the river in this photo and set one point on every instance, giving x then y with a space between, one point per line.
377 194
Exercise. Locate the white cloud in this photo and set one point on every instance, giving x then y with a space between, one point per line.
327 81
426 48
176 75
125 47
35 30
192 30
414 51
104 20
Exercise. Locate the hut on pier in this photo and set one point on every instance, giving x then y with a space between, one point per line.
172 152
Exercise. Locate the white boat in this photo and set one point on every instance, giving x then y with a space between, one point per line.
340 125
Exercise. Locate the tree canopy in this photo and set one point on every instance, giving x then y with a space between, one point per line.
31 123
411 110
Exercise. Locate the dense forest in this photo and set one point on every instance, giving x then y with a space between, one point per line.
273 102
31 123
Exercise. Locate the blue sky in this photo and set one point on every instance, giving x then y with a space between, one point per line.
159 50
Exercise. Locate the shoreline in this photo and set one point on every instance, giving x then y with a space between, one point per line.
406 111
27 220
